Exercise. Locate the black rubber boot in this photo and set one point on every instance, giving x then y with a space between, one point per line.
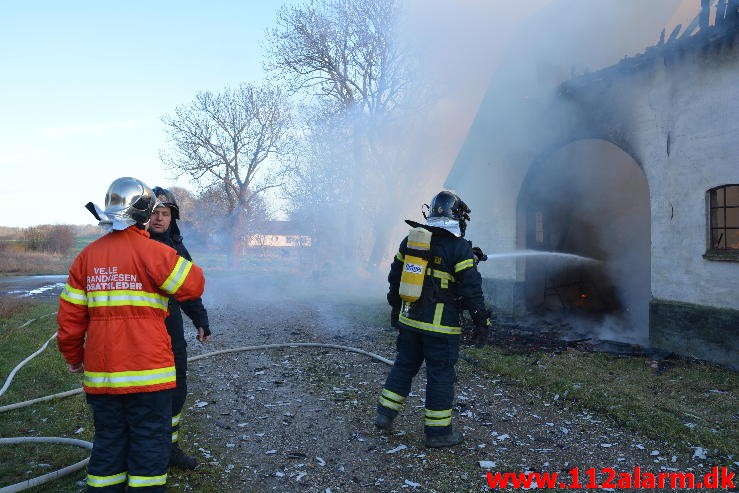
448 440
180 460
385 423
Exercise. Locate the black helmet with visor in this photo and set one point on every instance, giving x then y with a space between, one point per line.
167 199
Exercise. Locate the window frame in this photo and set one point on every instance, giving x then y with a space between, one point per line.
713 253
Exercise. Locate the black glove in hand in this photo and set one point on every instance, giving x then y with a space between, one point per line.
480 336
482 332
394 316
479 255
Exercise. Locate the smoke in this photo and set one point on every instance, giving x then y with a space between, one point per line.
493 62
480 69
593 201
495 67
510 53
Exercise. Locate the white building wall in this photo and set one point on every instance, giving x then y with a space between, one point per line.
693 98
696 102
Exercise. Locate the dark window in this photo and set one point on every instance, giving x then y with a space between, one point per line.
539 227
723 203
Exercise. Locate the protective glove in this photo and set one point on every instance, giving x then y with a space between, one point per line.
482 327
481 334
478 255
394 316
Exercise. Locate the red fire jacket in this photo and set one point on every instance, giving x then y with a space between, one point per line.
112 311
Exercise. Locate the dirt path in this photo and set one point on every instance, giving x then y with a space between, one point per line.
301 419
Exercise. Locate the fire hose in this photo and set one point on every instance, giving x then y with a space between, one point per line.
85 444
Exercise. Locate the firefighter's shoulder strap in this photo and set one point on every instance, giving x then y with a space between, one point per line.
415 262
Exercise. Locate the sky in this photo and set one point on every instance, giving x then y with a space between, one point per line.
84 85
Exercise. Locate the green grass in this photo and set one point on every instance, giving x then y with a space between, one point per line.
81 242
44 375
689 404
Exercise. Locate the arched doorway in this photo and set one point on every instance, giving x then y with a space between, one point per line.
588 199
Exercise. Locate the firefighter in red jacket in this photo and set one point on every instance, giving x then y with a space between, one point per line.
111 327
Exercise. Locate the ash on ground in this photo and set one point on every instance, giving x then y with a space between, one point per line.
301 419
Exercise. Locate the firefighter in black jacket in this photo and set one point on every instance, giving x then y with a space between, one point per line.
429 329
163 228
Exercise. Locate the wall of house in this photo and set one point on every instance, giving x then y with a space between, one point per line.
677 115
674 110
695 102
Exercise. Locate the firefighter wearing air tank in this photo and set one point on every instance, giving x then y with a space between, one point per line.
433 278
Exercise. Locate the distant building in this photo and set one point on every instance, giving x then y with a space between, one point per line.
278 234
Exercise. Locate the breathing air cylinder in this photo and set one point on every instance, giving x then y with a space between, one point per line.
416 260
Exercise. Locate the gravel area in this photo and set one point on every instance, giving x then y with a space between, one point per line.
300 419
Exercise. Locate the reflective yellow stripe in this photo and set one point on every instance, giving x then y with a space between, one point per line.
175 436
102 481
125 297
418 246
75 296
442 275
391 400
393 396
438 418
176 419
389 404
400 257
121 379
436 326
438 422
142 481
177 277
438 312
445 277
464 264
438 414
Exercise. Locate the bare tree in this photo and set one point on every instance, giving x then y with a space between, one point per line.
342 55
185 201
341 51
225 140
208 222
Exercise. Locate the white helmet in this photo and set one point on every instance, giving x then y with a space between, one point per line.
129 201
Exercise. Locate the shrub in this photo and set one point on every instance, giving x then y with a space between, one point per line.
49 238
14 261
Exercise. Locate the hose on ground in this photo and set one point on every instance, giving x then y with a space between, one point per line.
39 480
20 365
292 344
68 393
71 441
